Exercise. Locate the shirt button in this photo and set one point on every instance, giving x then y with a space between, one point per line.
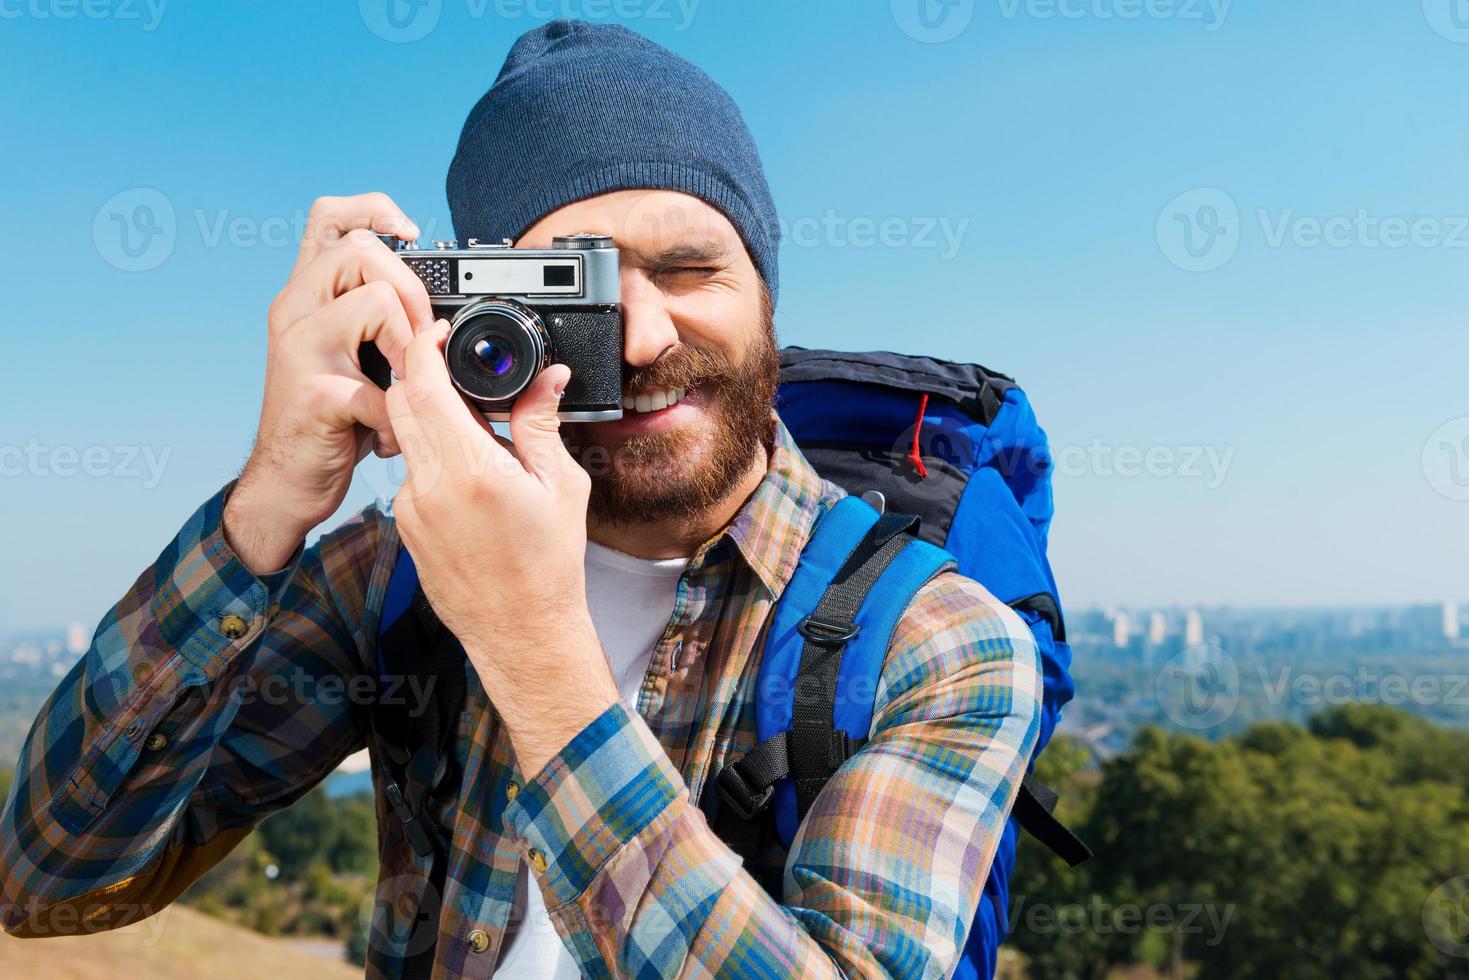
479 941
233 626
156 741
512 790
537 861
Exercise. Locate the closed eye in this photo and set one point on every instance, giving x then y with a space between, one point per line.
688 272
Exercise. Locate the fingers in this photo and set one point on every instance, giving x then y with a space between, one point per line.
435 427
535 426
355 260
331 218
371 312
348 401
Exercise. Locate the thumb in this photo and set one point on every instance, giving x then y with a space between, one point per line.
535 428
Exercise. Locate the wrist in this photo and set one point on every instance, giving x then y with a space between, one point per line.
263 537
549 696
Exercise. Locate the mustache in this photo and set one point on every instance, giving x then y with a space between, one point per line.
682 367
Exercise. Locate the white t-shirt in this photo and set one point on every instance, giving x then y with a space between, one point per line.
631 600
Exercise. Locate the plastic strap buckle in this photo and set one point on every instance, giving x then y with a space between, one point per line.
738 795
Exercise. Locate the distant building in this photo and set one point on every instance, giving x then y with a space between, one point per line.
77 639
1193 629
1157 629
1121 629
1429 626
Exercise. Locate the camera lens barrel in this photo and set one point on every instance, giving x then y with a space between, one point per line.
495 349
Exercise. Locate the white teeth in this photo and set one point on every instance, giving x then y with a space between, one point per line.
654 400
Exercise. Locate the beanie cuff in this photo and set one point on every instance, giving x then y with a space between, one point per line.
656 175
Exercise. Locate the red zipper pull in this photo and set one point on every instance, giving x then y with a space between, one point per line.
914 455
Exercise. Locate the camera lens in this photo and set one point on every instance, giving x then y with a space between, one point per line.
494 357
495 349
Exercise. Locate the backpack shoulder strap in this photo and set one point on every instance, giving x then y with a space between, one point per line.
818 676
823 653
413 739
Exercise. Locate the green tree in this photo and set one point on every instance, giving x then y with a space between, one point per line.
301 833
1282 851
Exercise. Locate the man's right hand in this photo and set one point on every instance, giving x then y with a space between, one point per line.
320 414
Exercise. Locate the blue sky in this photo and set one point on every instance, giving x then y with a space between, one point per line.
1223 246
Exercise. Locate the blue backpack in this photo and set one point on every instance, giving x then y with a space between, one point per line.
959 472
946 467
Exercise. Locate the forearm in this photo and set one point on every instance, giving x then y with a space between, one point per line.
633 876
639 885
136 775
887 868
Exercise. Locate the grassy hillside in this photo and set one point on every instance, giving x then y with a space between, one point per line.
177 944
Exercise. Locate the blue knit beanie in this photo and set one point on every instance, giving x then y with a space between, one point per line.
582 109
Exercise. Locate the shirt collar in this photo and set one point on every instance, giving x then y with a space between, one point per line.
774 524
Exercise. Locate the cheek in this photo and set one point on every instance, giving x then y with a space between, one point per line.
728 324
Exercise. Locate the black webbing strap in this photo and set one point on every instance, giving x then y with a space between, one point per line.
817 748
1035 811
814 748
415 745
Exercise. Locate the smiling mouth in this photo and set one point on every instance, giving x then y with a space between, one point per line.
654 400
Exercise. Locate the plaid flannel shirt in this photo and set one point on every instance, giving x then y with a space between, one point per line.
212 697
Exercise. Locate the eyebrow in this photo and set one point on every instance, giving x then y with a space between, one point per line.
707 250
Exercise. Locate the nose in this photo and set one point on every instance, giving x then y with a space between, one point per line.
647 327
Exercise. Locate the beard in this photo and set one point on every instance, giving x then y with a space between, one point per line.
679 474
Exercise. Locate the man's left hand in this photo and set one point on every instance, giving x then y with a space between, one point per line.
498 532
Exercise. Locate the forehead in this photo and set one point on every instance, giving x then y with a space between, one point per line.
646 222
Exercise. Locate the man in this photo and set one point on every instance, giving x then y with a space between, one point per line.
611 620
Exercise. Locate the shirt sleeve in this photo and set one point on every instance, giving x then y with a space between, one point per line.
886 871
209 698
